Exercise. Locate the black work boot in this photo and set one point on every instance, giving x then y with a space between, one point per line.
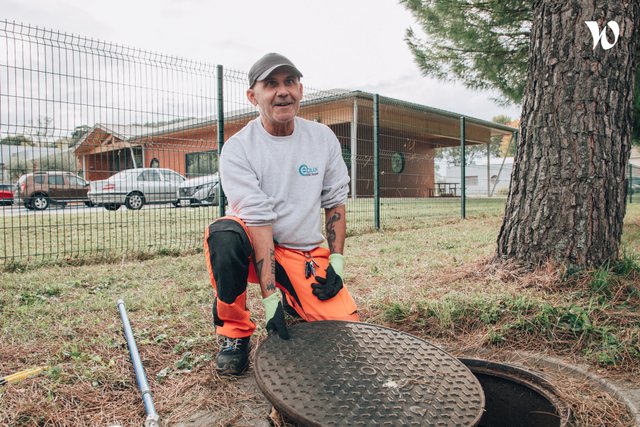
233 358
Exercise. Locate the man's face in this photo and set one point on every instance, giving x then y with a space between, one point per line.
278 98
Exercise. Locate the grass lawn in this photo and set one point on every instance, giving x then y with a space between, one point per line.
78 235
434 281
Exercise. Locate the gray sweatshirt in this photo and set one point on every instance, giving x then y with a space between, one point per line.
284 181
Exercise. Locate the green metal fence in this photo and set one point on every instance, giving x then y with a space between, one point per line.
113 151
633 183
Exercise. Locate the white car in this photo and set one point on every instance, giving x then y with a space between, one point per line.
135 188
202 190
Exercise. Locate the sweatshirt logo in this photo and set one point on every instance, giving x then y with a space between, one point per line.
305 170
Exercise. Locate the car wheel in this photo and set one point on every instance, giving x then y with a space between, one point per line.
176 203
134 201
89 204
40 202
112 206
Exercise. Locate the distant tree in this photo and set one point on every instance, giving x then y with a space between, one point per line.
502 119
451 155
500 141
482 44
16 140
166 122
42 130
567 195
78 133
507 145
62 143
59 161
19 166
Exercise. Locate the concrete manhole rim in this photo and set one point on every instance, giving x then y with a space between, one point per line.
291 414
541 361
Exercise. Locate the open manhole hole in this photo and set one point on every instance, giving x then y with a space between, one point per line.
517 397
334 373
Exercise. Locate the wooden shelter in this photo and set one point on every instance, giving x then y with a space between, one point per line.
409 134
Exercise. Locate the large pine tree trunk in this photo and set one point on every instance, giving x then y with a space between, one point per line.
566 202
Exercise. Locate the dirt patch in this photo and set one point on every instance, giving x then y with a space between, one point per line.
246 406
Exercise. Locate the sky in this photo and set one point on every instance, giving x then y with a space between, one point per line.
345 44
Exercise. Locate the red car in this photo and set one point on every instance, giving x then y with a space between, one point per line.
6 194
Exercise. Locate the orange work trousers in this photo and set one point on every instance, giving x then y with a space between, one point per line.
229 258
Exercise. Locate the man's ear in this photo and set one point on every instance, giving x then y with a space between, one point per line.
251 96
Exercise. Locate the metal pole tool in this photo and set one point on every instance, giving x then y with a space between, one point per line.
153 419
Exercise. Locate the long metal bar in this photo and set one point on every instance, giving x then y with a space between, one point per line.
153 419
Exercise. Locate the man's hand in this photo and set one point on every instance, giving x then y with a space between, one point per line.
274 315
328 287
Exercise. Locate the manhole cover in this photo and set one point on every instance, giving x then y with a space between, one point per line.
347 373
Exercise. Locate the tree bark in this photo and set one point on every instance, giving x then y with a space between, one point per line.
567 196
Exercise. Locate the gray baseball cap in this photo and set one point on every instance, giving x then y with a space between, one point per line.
267 65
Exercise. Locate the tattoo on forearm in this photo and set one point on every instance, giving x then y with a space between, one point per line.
331 231
258 265
272 254
271 286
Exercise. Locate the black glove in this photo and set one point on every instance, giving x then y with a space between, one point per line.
274 314
328 287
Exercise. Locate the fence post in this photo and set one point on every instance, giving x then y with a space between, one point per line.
630 185
354 150
463 161
376 161
489 169
220 77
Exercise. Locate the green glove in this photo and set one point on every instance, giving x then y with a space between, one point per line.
274 315
337 262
